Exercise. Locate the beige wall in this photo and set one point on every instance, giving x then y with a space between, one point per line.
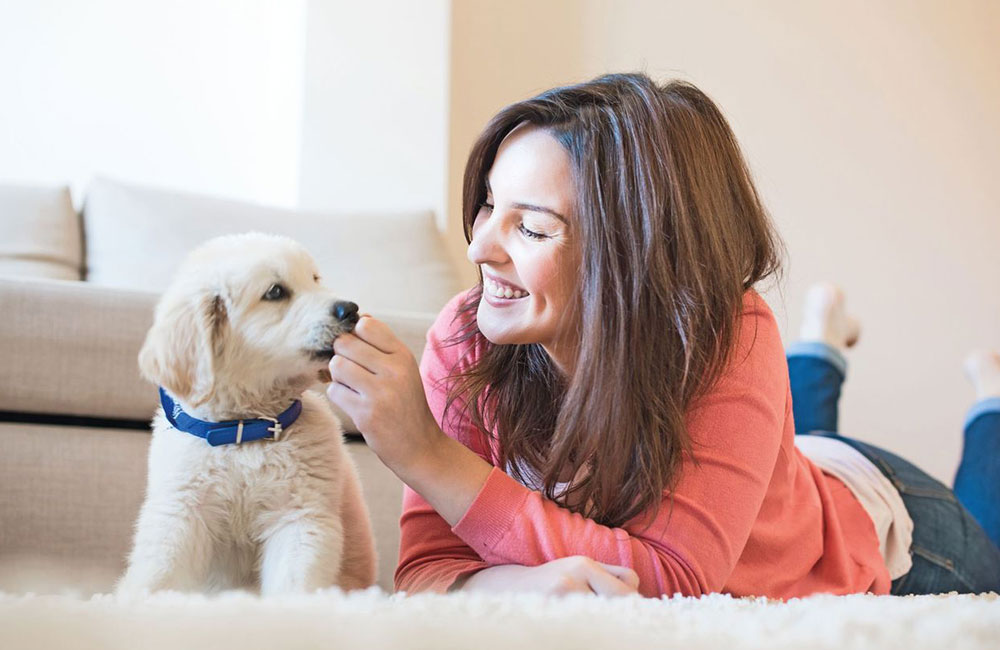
200 95
375 105
502 52
872 130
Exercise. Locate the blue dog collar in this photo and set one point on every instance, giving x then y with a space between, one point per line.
232 431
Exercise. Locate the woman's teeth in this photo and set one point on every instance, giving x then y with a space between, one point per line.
502 292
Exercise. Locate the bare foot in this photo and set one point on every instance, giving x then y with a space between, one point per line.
825 317
982 367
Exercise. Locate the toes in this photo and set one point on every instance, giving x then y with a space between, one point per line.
853 332
823 295
982 367
825 317
981 362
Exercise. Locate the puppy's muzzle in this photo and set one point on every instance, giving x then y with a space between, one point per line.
346 312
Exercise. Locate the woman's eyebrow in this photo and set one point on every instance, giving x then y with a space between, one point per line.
538 208
531 207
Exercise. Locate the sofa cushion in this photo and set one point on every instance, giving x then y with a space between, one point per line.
136 237
70 349
39 233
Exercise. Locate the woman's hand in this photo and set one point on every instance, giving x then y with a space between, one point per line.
576 574
375 380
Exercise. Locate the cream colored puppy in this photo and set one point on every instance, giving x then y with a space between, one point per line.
237 338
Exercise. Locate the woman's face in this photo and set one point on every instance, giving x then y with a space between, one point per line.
524 243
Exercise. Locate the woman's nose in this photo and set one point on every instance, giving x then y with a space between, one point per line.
485 245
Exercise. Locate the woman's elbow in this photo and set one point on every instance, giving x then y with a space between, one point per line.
675 576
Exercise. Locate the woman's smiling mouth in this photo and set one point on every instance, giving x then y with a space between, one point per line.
502 291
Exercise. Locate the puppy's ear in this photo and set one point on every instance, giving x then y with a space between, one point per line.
182 345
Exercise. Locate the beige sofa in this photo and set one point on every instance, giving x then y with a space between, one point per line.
77 291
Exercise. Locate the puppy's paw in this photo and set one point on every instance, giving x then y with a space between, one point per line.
130 590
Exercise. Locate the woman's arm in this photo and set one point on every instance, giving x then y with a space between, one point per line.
691 547
442 475
694 543
431 557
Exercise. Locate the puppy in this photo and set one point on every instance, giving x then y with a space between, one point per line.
239 495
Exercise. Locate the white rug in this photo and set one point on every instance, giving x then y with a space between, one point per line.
372 619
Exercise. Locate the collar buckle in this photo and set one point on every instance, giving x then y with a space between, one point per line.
275 430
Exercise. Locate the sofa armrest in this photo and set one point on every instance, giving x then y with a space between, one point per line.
69 348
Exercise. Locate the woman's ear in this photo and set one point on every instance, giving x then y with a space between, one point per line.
181 347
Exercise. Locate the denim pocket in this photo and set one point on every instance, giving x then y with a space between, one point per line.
930 574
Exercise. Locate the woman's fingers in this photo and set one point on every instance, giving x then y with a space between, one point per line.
573 574
605 583
573 585
355 349
377 334
350 374
343 396
623 573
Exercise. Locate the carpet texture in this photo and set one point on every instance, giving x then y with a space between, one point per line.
372 620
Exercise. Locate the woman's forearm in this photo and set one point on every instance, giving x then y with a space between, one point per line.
447 474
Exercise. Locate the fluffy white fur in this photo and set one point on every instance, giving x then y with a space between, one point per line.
372 620
286 516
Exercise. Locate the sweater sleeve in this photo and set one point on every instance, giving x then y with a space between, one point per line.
694 542
431 556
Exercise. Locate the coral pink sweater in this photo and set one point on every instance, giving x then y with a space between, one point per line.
752 517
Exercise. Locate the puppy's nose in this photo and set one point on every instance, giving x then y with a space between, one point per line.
345 310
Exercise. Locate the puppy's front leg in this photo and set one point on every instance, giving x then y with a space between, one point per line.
301 554
359 562
172 550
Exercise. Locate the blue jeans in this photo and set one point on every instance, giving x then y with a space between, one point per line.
956 533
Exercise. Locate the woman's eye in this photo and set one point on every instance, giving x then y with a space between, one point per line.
486 206
531 234
276 292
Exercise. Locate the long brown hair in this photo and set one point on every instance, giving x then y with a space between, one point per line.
672 233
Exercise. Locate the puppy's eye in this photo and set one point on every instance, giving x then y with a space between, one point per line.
275 292
315 277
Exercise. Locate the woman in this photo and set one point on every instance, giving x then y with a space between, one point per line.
610 409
